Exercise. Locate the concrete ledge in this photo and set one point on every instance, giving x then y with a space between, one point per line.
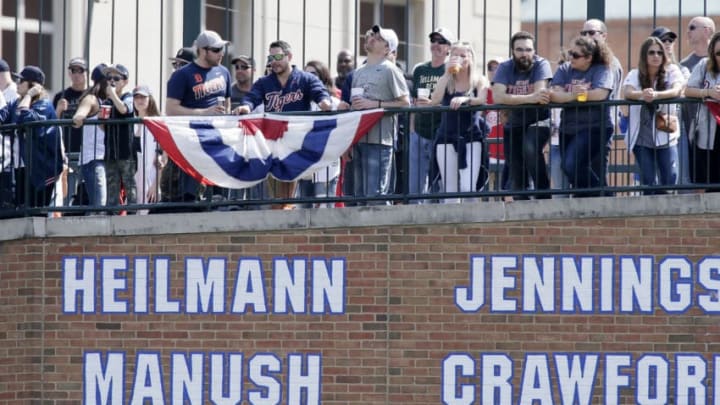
267 220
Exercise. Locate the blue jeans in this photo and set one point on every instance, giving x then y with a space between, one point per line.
557 177
419 158
372 167
95 182
320 189
524 156
657 166
584 158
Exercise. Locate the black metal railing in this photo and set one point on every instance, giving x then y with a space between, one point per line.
618 172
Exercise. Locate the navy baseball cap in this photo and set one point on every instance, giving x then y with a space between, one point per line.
98 72
184 55
117 68
4 67
663 32
32 74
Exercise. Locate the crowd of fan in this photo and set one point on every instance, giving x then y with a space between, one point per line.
97 164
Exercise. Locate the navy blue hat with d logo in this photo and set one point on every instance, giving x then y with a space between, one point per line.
32 74
98 72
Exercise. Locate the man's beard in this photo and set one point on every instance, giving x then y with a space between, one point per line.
523 64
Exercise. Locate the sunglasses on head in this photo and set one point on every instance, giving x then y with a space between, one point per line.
441 41
276 57
215 50
77 70
115 78
655 53
590 32
576 55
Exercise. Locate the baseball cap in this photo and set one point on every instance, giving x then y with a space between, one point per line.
186 55
496 59
77 62
118 68
98 72
4 67
444 33
661 32
142 90
32 74
209 39
244 59
388 36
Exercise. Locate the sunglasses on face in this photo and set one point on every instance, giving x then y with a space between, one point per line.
77 70
576 55
655 53
667 41
178 65
439 41
276 57
214 50
590 32
717 53
242 67
115 78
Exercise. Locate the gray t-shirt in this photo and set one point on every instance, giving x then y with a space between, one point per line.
382 82
689 110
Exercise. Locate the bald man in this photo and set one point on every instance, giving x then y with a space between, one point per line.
699 31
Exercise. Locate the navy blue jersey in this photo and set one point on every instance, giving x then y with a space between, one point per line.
301 89
198 87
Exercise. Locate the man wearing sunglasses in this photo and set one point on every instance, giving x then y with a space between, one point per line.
66 103
423 125
699 31
184 56
286 88
119 138
197 89
244 77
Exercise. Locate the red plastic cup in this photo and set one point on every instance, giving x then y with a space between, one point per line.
104 112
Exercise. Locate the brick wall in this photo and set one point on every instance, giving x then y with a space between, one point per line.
400 319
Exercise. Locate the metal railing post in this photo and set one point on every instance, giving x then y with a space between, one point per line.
596 9
192 20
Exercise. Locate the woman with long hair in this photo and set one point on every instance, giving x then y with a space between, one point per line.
92 154
458 147
656 78
40 146
323 182
584 131
150 163
704 83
